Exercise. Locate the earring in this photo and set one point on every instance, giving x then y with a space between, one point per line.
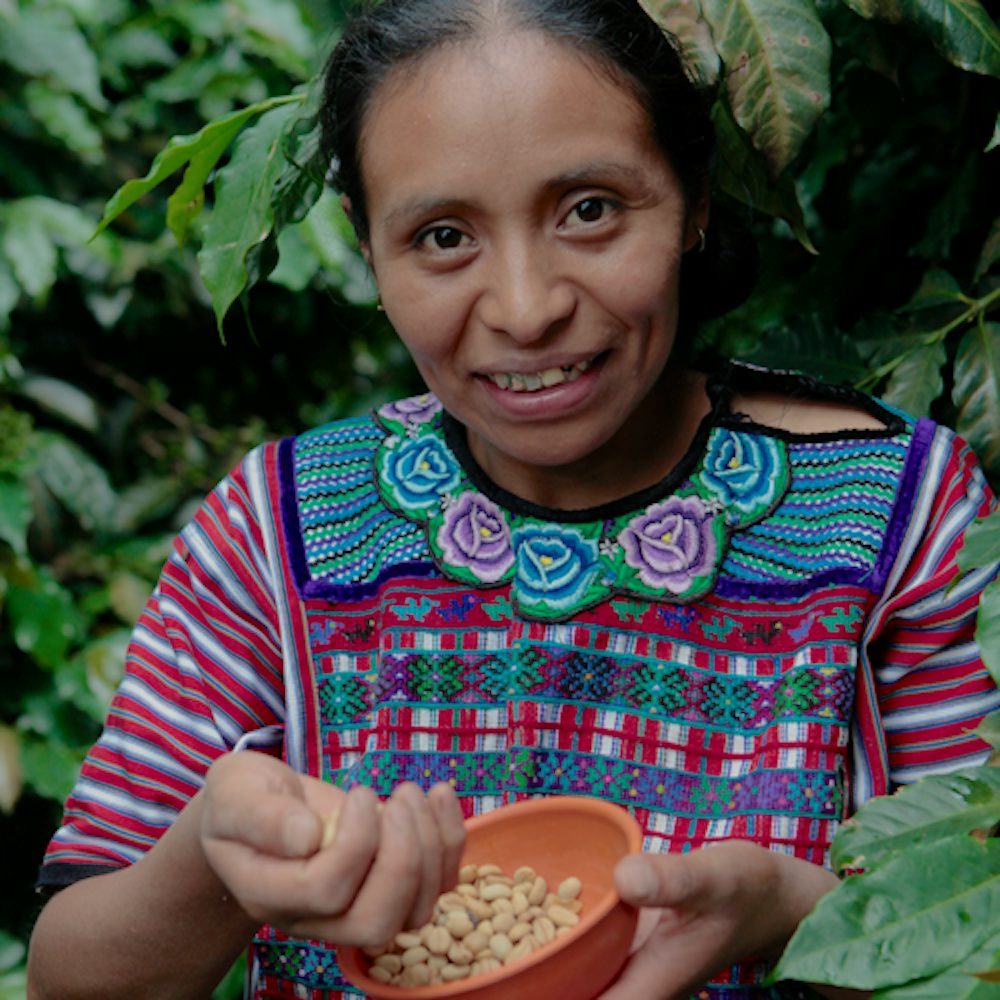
701 238
379 307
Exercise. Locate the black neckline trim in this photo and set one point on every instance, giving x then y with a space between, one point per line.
719 386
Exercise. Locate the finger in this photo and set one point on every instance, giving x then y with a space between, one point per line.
259 802
339 871
451 824
286 891
385 899
431 853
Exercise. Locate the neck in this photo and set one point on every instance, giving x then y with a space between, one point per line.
656 437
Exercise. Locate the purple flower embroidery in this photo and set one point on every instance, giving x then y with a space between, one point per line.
474 534
412 411
672 543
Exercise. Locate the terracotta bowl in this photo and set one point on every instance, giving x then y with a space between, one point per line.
558 837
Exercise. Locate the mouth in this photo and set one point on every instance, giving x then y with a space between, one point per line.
547 378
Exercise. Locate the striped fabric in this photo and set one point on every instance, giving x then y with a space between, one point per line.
299 613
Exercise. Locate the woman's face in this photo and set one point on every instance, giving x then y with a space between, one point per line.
526 234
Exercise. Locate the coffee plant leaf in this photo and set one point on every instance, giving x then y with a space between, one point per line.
916 382
988 629
77 480
685 21
243 215
936 807
961 30
936 288
15 513
989 730
921 912
776 69
976 392
981 543
43 619
990 252
181 149
742 173
878 10
961 982
45 42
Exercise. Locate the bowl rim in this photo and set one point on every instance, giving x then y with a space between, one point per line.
620 817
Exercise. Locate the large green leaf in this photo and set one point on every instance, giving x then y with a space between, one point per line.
77 480
243 215
988 629
989 729
28 247
44 41
961 30
182 149
981 543
937 806
44 622
776 56
958 983
685 21
918 914
916 381
742 173
976 392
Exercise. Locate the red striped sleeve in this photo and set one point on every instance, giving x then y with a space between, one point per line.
204 667
931 685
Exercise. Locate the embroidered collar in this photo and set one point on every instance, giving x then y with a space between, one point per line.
670 551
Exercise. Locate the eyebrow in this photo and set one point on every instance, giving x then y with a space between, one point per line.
591 172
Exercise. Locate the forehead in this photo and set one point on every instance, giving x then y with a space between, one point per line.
513 99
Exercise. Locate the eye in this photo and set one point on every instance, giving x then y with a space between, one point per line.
590 209
441 238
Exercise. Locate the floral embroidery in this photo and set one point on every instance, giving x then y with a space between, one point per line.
420 471
410 412
474 536
669 552
674 544
556 568
746 473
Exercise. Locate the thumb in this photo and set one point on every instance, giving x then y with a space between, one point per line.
654 880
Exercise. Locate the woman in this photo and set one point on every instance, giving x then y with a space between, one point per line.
577 567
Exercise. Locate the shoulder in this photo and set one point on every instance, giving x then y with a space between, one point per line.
792 403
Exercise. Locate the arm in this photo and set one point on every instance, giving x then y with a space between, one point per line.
245 851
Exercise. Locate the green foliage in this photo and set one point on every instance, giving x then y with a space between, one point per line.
857 138
918 920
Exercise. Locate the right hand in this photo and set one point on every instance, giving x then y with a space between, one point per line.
261 831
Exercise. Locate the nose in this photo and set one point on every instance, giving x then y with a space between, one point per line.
525 295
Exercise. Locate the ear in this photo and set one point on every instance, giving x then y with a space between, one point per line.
345 204
697 219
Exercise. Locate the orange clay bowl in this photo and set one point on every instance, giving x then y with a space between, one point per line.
558 837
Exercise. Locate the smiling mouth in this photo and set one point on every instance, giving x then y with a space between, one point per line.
546 379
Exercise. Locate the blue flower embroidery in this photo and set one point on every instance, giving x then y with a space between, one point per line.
419 472
555 566
745 472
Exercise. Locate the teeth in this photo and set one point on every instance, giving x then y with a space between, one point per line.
532 381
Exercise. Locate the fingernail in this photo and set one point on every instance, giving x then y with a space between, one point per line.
299 833
636 881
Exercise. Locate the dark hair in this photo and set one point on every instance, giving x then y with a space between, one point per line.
617 34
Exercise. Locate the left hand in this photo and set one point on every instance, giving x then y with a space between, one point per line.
710 908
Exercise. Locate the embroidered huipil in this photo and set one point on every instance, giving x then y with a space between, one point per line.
751 648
